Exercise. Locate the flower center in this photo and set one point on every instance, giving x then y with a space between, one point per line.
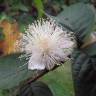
44 45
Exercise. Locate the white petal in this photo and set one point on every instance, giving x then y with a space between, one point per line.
35 61
66 44
35 66
47 44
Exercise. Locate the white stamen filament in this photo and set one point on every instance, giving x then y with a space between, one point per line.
46 44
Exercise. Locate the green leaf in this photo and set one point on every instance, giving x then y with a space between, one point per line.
40 7
11 74
84 71
78 18
36 88
63 85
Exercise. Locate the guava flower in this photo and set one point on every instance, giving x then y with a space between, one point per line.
46 44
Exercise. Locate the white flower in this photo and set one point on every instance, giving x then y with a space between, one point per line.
45 44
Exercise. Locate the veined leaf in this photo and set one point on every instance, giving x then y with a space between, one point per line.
13 71
79 18
36 88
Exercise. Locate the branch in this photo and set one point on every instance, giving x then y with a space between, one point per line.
38 75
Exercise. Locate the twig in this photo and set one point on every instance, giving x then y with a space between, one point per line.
39 75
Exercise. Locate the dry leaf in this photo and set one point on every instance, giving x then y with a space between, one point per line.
12 34
90 40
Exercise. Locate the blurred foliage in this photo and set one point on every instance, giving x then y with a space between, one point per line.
17 8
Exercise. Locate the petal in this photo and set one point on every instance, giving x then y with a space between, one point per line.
66 44
49 62
35 62
35 66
